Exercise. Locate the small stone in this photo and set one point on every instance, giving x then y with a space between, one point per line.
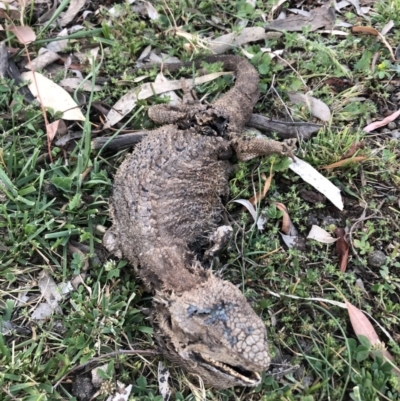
395 134
392 125
376 259
390 88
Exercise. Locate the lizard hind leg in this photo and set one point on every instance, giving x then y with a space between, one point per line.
247 148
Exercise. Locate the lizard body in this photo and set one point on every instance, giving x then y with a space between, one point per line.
166 196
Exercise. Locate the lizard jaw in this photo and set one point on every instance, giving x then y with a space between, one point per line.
244 377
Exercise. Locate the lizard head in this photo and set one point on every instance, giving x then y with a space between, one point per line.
212 331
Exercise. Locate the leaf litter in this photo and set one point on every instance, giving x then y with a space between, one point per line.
229 42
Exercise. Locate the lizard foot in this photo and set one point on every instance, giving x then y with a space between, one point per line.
220 237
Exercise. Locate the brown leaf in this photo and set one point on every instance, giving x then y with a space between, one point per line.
353 149
363 327
372 31
340 163
51 130
287 226
342 248
365 29
261 195
337 84
24 34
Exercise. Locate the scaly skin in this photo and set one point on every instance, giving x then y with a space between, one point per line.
166 198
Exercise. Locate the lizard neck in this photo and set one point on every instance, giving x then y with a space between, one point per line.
171 268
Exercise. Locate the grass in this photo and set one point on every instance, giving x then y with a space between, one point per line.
53 215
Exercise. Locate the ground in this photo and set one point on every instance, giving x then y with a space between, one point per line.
54 210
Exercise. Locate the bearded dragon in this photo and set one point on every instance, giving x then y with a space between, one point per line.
167 196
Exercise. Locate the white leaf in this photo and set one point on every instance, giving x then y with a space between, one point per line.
317 107
260 221
320 235
59 45
174 99
49 289
151 11
289 240
127 102
42 311
230 40
53 96
317 180
122 393
73 83
44 58
163 386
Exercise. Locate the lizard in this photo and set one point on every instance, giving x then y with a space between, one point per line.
167 195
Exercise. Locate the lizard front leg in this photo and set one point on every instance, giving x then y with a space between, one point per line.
181 114
247 148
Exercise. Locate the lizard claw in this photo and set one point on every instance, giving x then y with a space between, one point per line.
289 145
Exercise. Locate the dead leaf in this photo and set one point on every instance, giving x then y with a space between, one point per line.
261 195
49 289
52 95
45 58
365 29
323 17
122 392
9 11
317 180
293 242
147 9
51 130
174 99
163 386
275 7
49 13
316 107
74 83
319 234
343 162
73 9
287 226
382 123
363 327
342 248
387 27
24 34
127 102
259 220
59 45
353 149
372 31
232 40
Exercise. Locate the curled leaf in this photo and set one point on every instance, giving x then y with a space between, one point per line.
342 248
287 225
260 221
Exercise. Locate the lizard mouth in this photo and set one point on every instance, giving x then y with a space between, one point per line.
249 378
